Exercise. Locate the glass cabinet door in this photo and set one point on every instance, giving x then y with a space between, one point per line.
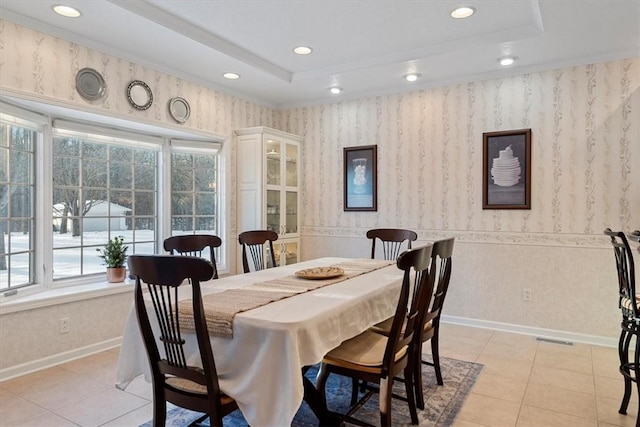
291 219
273 162
291 168
290 253
273 210
286 253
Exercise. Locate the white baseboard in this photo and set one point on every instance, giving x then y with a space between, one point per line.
56 359
530 330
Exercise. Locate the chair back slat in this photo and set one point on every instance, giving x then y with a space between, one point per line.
407 315
166 308
195 245
441 265
253 248
163 276
392 241
626 274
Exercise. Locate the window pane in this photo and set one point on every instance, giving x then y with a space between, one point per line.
20 266
66 171
145 177
21 167
182 204
145 157
206 225
145 203
16 206
91 264
66 263
94 151
145 228
180 224
205 180
142 248
121 175
123 154
20 232
20 201
182 179
205 204
94 173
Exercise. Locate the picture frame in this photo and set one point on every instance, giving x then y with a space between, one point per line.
360 178
506 169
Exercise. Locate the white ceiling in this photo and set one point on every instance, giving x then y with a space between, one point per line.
363 46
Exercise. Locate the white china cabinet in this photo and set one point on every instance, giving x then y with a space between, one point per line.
269 188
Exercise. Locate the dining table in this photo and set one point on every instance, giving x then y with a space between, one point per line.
260 365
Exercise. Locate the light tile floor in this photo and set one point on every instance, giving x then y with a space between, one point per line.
523 383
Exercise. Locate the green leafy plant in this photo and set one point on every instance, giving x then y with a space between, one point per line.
114 253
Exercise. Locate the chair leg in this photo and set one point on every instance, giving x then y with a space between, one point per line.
435 352
386 385
623 354
636 368
354 391
159 406
409 388
417 376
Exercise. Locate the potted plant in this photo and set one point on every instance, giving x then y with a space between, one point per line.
114 254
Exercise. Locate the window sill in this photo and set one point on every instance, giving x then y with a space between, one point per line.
61 295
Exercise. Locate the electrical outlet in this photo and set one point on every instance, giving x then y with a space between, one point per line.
64 325
527 295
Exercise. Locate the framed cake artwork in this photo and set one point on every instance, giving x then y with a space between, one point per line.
506 169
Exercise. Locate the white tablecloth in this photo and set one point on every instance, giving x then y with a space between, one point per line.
261 366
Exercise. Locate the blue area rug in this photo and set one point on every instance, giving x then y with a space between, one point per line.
442 403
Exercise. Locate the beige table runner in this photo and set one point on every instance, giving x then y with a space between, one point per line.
221 308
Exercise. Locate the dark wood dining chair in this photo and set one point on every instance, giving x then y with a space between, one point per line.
195 245
253 245
392 241
173 379
440 275
628 302
376 358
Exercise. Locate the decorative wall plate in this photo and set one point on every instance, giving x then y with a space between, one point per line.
90 84
179 109
139 95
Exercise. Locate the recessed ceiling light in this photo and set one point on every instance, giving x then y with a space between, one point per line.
231 76
302 50
67 11
507 60
335 90
412 77
462 12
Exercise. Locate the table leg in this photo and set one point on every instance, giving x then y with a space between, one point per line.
313 399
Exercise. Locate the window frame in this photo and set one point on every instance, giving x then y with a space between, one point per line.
43 194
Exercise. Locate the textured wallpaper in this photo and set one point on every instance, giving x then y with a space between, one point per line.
585 124
585 138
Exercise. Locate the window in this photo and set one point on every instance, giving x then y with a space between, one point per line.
66 191
101 189
194 196
17 145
